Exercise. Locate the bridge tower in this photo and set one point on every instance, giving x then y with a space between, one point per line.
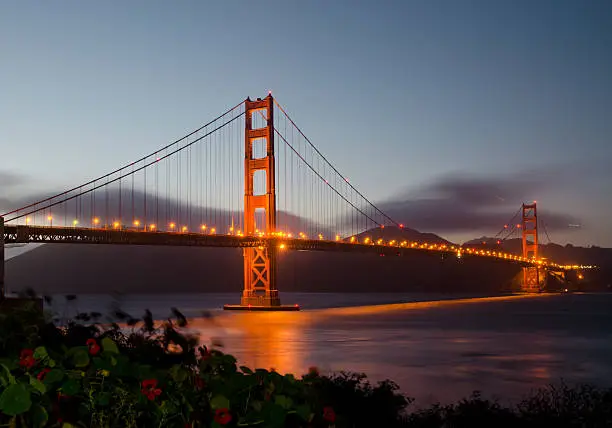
259 262
529 225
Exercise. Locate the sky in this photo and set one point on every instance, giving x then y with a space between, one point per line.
441 112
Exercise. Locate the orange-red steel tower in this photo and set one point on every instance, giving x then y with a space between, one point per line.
260 262
531 274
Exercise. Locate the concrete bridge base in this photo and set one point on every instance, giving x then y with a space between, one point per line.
281 308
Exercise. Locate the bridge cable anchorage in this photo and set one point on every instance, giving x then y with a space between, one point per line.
123 167
119 179
333 167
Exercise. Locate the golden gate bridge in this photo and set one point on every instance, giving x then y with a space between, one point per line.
249 178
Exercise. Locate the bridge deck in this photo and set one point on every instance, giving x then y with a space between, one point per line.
73 235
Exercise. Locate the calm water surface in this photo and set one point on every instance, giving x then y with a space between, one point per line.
438 350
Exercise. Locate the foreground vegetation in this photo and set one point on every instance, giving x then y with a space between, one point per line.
89 374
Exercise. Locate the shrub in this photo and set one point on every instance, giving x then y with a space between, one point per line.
147 375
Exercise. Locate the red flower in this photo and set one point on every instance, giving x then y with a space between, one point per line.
27 360
43 373
93 346
149 389
329 415
223 416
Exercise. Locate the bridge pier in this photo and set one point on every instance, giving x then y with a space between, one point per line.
532 279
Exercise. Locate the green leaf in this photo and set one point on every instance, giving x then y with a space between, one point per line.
54 375
80 358
245 369
304 412
109 346
39 416
15 400
71 387
256 405
219 402
283 401
277 416
9 377
38 385
40 353
67 425
177 373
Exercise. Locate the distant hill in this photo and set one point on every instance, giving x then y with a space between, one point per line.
599 278
567 254
389 233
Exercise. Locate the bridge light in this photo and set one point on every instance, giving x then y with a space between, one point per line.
184 229
352 239
50 217
28 220
281 246
203 227
367 240
152 227
379 242
213 231
337 237
320 236
172 226
75 222
136 223
116 224
96 221
401 226
382 226
231 229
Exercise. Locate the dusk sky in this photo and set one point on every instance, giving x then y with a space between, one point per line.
438 110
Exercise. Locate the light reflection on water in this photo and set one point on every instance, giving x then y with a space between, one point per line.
434 350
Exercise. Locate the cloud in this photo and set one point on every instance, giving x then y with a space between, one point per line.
11 179
458 203
461 203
